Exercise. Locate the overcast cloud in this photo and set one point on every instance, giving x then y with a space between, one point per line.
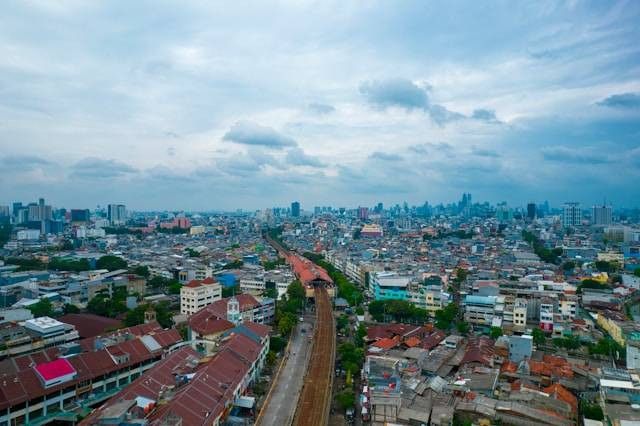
197 105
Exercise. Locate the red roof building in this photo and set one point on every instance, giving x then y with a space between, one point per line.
55 372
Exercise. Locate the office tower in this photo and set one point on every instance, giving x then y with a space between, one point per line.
380 207
601 215
531 211
80 216
363 213
295 209
16 208
571 214
34 212
4 211
116 214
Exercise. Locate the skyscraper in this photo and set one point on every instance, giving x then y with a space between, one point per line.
571 214
295 209
116 214
601 215
531 211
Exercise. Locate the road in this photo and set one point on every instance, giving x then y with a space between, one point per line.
313 405
284 395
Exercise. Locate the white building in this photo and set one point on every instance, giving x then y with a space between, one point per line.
571 214
197 294
601 215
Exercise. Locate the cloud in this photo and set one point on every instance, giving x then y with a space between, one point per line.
622 101
297 157
405 94
92 167
480 152
385 156
484 114
23 162
321 109
395 93
574 155
249 133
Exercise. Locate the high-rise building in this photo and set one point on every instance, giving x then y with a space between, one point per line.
4 211
17 206
571 214
601 215
363 213
80 216
295 209
116 214
531 211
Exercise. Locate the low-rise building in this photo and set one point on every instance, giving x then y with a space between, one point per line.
197 294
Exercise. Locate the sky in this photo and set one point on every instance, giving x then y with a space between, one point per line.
224 105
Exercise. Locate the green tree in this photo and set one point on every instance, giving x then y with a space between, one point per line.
295 290
590 283
43 308
343 322
568 265
346 399
538 336
277 344
68 264
463 327
141 270
175 286
286 323
609 267
271 357
5 233
495 332
636 272
70 309
361 332
360 311
231 290
591 411
111 263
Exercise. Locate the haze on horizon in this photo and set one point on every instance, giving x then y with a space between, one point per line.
201 106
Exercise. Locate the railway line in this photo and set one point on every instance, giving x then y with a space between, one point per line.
314 403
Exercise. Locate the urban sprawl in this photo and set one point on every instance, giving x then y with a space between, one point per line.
457 314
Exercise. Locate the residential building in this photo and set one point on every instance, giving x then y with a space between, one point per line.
116 214
520 348
601 215
388 285
571 214
197 294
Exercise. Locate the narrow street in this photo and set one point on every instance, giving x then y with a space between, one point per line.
284 396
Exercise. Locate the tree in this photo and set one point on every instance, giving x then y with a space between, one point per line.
271 293
591 411
231 290
361 332
360 311
636 272
538 336
111 263
495 332
286 323
343 322
376 310
43 308
604 266
271 357
5 233
175 286
590 283
277 343
295 290
463 327
70 309
568 265
141 270
346 399
68 264
444 317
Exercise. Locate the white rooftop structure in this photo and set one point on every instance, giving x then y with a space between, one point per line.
44 325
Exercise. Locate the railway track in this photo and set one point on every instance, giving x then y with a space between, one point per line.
314 403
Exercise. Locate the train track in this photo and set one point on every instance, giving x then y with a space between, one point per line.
314 403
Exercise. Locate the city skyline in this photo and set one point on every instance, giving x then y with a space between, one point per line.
196 107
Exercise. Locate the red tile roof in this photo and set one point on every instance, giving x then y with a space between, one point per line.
90 325
557 391
307 271
412 341
55 369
